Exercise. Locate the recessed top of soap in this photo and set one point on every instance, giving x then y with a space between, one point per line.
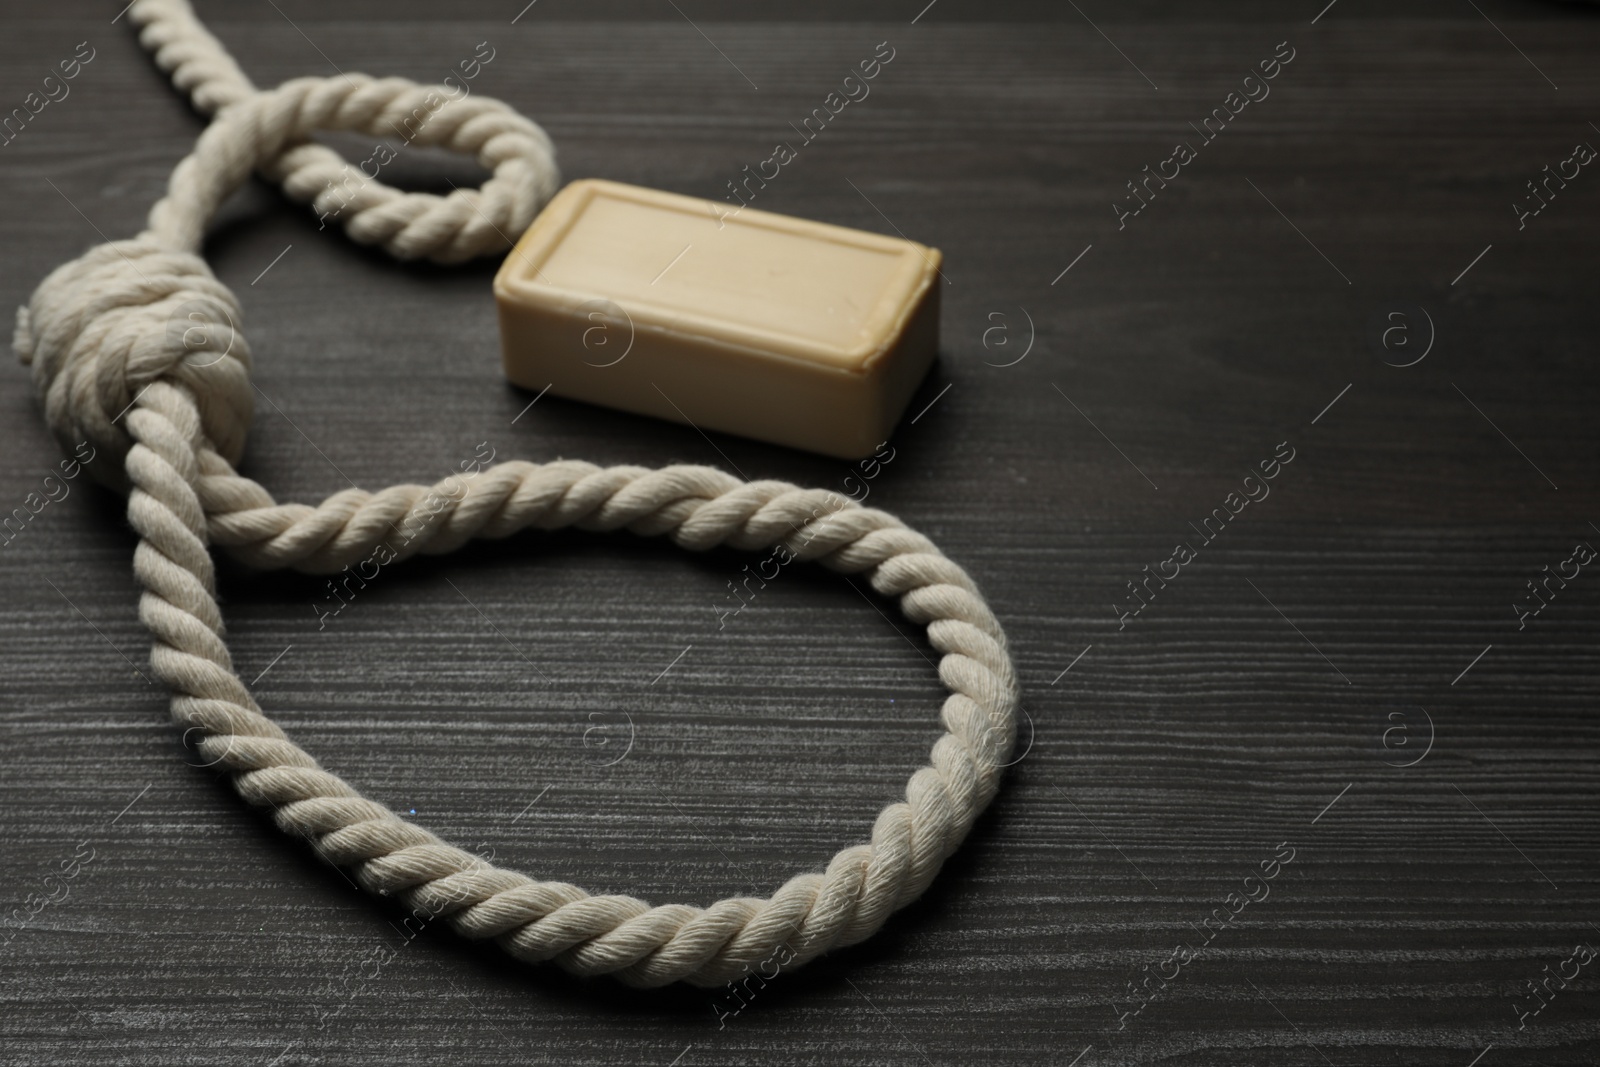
780 285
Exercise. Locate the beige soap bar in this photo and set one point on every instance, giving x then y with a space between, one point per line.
795 332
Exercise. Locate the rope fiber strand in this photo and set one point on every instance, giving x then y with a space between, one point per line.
135 347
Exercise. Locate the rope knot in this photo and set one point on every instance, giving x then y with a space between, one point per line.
102 327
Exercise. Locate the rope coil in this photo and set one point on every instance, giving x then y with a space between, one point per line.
135 347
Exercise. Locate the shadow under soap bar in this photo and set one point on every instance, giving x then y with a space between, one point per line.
776 328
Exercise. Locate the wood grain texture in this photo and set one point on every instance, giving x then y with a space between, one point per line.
1294 665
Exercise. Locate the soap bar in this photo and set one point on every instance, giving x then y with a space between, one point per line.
781 329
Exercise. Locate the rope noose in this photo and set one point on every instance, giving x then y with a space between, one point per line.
120 362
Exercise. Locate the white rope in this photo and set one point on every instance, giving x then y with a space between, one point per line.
173 404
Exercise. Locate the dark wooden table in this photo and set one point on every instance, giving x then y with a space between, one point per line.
1339 675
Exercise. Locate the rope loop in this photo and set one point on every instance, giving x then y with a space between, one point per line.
270 132
136 347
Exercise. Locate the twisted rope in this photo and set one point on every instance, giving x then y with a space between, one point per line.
135 347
